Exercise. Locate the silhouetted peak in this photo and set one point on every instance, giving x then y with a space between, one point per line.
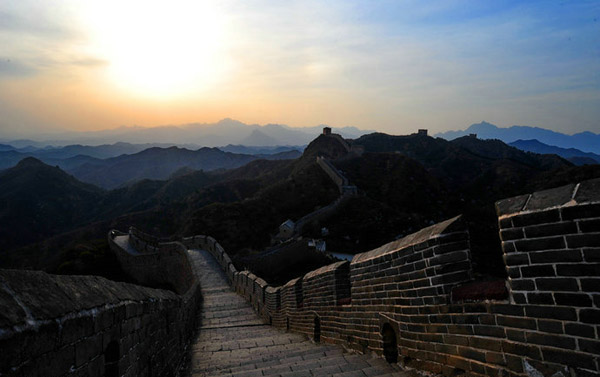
30 162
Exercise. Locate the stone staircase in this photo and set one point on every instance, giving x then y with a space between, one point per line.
234 341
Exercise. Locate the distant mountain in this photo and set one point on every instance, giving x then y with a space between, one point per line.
161 163
10 158
226 131
258 138
576 156
244 149
585 141
37 200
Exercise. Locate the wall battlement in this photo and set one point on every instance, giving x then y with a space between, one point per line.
396 300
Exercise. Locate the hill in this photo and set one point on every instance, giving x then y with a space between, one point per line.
574 155
37 200
160 163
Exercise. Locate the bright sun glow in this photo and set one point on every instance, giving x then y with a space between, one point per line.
160 49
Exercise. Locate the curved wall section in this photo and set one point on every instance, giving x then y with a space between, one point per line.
53 325
400 295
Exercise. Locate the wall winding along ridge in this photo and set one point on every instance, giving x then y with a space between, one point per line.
397 300
55 325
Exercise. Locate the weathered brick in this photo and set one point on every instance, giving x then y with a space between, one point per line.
513 272
490 344
550 312
507 309
505 223
581 212
522 284
551 340
557 284
589 226
551 229
517 322
591 255
541 217
493 331
540 298
589 346
569 358
589 316
573 299
539 270
590 284
548 243
471 353
579 329
581 269
550 326
521 349
556 256
516 335
515 259
512 234
519 298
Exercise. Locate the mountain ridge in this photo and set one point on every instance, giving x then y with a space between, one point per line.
586 141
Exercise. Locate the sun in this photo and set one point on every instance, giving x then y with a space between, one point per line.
161 48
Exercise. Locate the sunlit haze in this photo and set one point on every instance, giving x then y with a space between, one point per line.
392 66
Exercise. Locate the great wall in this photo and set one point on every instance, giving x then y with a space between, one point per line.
405 306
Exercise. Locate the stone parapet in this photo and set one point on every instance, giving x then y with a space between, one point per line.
549 325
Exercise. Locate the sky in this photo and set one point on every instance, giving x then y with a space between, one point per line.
393 66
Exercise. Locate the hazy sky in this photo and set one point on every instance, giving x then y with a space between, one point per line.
393 66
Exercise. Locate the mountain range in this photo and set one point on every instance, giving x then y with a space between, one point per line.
51 220
584 141
226 131
141 162
576 156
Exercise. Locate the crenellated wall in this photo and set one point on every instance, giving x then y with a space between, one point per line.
396 300
52 325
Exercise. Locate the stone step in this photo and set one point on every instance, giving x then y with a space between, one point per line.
234 341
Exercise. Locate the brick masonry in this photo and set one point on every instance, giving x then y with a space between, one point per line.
549 325
54 325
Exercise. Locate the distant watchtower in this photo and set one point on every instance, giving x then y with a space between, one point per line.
327 131
422 132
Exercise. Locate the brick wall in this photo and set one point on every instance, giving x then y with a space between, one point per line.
160 265
54 325
549 325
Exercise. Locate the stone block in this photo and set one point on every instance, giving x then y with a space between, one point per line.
511 205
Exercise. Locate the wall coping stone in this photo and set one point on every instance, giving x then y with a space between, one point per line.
424 235
324 270
563 196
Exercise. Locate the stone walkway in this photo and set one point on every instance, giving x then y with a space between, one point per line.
234 341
